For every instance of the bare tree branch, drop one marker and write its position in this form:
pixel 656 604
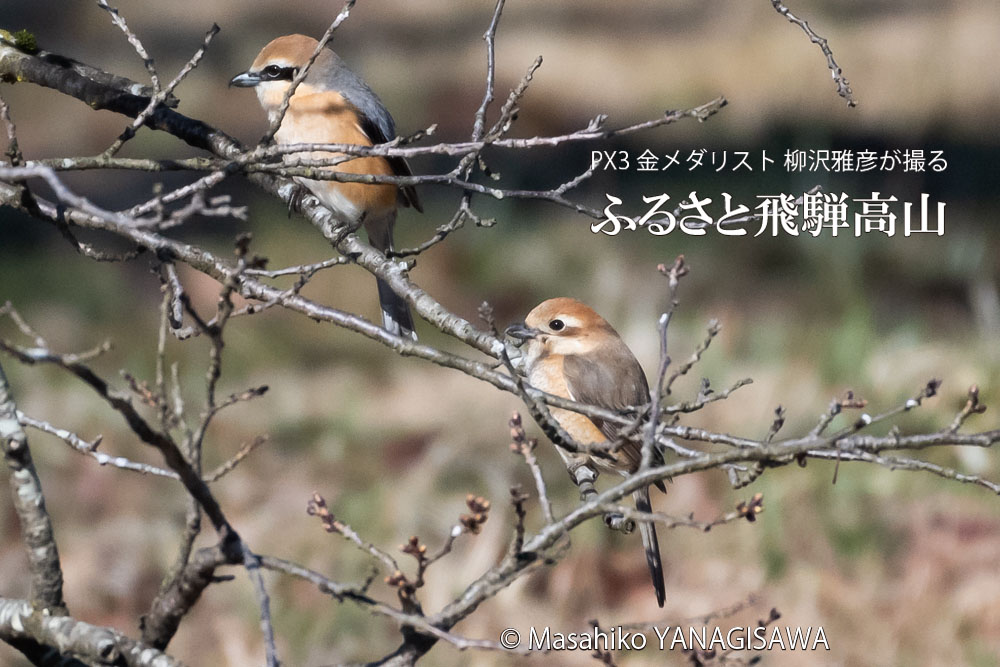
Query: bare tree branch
pixel 29 503
pixel 843 86
pixel 73 639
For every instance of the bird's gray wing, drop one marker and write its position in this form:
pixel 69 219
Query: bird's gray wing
pixel 376 121
pixel 616 381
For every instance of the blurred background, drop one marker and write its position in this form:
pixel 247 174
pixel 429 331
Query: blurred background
pixel 898 567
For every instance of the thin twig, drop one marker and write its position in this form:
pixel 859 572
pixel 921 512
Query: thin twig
pixel 89 448
pixel 252 564
pixel 317 507
pixel 478 126
pixel 713 330
pixel 161 95
pixel 13 152
pixel 525 446
pixel 843 86
pixel 237 458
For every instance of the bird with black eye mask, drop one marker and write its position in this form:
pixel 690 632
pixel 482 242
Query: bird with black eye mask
pixel 333 105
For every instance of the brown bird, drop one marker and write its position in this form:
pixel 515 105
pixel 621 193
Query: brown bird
pixel 333 105
pixel 571 351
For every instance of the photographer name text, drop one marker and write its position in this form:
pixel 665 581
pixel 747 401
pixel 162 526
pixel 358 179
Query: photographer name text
pixel 669 638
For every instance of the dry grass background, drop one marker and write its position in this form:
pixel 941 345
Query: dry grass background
pixel 900 569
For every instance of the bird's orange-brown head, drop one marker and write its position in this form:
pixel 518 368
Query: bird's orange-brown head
pixel 561 326
pixel 277 64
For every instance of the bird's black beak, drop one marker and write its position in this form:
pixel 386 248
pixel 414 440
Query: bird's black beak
pixel 521 332
pixel 245 80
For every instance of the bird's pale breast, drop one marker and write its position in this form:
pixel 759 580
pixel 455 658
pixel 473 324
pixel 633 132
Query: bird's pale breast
pixel 325 117
pixel 547 375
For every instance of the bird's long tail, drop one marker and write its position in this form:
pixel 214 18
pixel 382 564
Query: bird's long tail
pixel 650 544
pixel 396 316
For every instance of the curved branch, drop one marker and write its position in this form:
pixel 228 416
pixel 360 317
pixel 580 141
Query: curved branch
pixel 29 503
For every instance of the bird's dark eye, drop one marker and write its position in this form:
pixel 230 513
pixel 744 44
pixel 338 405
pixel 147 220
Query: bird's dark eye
pixel 557 325
pixel 275 72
